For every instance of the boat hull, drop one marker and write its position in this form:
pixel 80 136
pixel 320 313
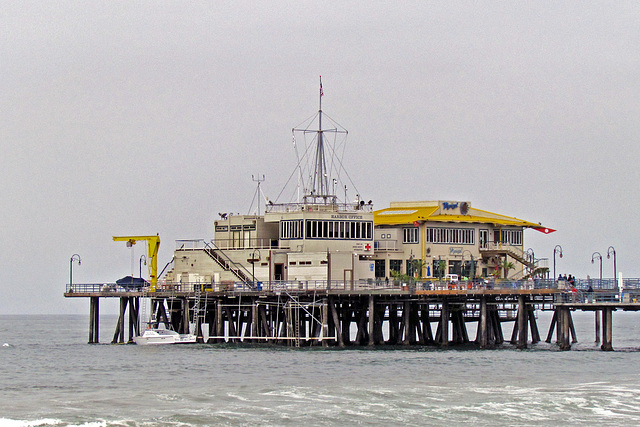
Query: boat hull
pixel 163 336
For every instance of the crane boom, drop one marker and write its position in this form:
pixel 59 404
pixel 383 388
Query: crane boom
pixel 154 244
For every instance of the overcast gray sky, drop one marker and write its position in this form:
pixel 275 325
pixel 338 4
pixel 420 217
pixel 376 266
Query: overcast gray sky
pixel 122 118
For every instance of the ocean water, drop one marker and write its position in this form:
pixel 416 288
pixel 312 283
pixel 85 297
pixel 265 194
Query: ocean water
pixel 50 376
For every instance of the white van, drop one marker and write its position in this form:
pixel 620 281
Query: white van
pixel 451 278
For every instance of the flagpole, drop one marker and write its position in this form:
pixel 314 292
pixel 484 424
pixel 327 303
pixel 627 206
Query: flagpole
pixel 321 97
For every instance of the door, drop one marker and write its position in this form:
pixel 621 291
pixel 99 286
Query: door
pixel 484 239
pixel 278 272
pixel 348 279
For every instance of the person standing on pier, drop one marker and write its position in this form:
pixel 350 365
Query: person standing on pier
pixel 574 293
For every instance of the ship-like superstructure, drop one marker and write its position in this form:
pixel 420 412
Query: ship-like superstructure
pixel 318 238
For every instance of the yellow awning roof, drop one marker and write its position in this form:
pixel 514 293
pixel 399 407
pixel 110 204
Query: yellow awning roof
pixel 432 211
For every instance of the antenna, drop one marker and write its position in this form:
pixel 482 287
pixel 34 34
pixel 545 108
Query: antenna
pixel 257 195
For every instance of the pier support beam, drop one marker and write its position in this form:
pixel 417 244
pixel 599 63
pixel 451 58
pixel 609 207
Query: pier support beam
pixel 118 336
pixel 406 321
pixel 254 319
pixel 483 338
pixel 219 331
pixel 597 318
pixel 554 325
pixel 523 314
pixel 372 319
pixel 525 319
pixel 94 320
pixel 533 325
pixel 325 324
pixel 426 325
pixel 564 319
pixel 336 321
pixel 444 324
pixel 607 329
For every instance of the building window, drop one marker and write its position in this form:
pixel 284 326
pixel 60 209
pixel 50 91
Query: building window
pixel 410 235
pixel 460 236
pixel 395 265
pixel 455 267
pixel 291 229
pixel 333 230
pixel 511 237
pixel 380 268
pixel 410 268
pixel 439 268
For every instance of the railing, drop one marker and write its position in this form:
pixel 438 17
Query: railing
pixel 585 297
pixel 630 291
pixel 386 245
pixel 500 246
pixel 320 206
pixel 237 269
pixel 228 244
pixel 93 288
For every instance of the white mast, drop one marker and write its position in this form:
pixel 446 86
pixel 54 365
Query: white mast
pixel 320 186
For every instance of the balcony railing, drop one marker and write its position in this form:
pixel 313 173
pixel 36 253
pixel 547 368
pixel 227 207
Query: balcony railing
pixel 229 244
pixel 319 206
pixel 606 288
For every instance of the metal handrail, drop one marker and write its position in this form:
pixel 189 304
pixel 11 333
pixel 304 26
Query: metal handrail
pixel 585 297
pixel 328 207
pixel 359 285
pixel 227 244
pixel 231 262
pixel 503 246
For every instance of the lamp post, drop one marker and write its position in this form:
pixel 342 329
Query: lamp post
pixel 142 257
pixel 556 250
pixel 593 257
pixel 532 268
pixel 75 257
pixel 473 265
pixel 253 265
pixel 410 267
pixel 610 251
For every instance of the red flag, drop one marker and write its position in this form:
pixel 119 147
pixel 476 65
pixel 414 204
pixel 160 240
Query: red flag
pixel 544 230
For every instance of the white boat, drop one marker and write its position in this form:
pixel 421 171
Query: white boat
pixel 163 336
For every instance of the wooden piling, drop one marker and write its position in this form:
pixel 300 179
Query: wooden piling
pixel 94 320
pixel 607 329
pixel 371 320
pixel 564 340
pixel 336 320
pixel 533 325
pixel 522 322
pixel 444 323
pixel 482 334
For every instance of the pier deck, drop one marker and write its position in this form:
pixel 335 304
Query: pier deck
pixel 304 314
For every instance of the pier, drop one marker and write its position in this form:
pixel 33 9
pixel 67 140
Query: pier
pixel 301 314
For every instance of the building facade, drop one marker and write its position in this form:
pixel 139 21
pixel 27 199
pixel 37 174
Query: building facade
pixel 434 239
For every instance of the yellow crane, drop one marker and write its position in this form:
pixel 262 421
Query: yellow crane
pixel 154 244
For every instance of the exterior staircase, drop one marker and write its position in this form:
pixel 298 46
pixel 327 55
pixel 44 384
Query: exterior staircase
pixel 228 264
pixel 515 252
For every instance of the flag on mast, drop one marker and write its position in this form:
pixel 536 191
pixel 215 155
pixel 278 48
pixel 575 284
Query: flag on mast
pixel 321 91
